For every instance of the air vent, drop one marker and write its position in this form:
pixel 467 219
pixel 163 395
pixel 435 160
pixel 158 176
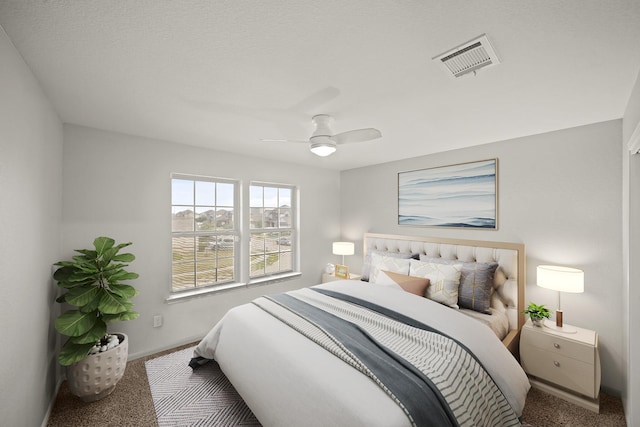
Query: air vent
pixel 469 57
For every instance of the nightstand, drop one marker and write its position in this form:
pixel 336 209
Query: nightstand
pixel 326 277
pixel 565 365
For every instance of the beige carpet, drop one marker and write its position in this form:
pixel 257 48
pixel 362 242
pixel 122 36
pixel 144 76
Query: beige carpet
pixel 545 410
pixel 131 405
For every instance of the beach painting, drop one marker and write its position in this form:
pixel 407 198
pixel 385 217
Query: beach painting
pixel 462 195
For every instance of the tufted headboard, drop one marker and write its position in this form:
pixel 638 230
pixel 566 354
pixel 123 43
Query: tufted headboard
pixel 509 281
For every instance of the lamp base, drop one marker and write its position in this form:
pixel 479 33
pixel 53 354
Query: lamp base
pixel 559 327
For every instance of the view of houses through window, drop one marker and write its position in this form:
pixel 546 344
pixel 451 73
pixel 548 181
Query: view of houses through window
pixel 206 231
pixel 272 229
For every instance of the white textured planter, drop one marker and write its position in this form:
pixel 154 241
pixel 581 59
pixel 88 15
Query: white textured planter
pixel 95 376
pixel 537 322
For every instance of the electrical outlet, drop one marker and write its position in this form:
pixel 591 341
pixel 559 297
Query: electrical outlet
pixel 157 321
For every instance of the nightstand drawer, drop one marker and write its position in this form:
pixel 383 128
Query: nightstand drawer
pixel 561 370
pixel 561 346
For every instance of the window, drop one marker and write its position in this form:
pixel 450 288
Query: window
pixel 204 232
pixel 272 229
pixel 211 246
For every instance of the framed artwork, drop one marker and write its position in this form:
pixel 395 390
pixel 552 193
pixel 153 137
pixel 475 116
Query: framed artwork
pixel 342 271
pixel 464 195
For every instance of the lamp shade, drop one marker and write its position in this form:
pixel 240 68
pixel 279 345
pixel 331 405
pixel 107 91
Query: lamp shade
pixel 562 279
pixel 343 248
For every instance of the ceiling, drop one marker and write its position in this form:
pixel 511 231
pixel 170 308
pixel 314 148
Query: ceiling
pixel 225 74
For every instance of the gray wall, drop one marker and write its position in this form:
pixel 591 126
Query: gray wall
pixel 631 231
pixel 119 186
pixel 559 194
pixel 31 194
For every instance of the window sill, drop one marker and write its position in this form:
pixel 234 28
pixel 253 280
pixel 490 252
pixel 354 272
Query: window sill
pixel 196 293
pixel 274 278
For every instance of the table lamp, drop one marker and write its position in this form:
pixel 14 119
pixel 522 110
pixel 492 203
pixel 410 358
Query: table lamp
pixel 343 248
pixel 561 279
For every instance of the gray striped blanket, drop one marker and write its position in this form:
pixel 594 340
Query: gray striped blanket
pixel 435 380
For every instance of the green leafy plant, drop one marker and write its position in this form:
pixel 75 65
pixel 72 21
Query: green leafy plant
pixel 93 283
pixel 537 311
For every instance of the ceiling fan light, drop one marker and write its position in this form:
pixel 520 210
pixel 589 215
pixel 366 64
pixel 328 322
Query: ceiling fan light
pixel 323 150
pixel 324 147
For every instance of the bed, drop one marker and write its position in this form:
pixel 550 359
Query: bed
pixel 294 364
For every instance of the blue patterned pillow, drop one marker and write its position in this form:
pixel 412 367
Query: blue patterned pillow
pixel 476 282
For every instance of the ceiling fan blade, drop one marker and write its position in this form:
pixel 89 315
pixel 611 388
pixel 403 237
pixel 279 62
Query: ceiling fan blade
pixel 358 135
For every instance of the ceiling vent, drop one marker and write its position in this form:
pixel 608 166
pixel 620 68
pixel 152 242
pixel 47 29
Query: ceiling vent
pixel 469 57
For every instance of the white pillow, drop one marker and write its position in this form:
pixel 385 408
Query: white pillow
pixel 383 279
pixel 444 279
pixel 382 262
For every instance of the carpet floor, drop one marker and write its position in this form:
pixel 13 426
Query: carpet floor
pixel 131 404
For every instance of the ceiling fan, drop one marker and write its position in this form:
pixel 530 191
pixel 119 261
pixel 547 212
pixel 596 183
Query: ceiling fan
pixel 323 141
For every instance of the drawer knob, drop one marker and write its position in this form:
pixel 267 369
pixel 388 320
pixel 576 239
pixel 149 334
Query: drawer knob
pixel 556 363
pixel 556 345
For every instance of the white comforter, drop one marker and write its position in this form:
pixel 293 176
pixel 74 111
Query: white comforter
pixel 288 380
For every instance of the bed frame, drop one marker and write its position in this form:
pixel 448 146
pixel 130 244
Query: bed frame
pixel 509 282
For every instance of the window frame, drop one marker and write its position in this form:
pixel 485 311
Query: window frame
pixel 234 233
pixel 291 230
pixel 242 238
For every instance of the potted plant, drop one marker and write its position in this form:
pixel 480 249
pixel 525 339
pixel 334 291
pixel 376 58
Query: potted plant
pixel 93 281
pixel 537 313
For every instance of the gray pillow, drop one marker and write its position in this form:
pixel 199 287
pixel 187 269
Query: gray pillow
pixel 366 266
pixel 476 282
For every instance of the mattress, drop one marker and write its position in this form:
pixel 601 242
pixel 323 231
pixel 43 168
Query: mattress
pixel 288 380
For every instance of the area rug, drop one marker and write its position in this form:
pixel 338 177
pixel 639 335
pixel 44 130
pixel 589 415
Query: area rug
pixel 204 397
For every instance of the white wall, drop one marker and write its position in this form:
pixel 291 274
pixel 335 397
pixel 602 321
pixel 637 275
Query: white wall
pixel 631 231
pixel 30 194
pixel 119 186
pixel 559 194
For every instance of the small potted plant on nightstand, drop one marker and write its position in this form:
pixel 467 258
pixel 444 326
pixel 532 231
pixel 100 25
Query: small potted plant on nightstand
pixel 537 313
pixel 93 281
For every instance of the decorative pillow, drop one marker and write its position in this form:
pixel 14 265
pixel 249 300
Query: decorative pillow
pixel 444 279
pixel 366 266
pixel 385 281
pixel 414 285
pixel 476 283
pixel 387 263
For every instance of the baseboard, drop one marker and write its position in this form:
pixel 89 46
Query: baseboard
pixel 47 415
pixel 141 354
